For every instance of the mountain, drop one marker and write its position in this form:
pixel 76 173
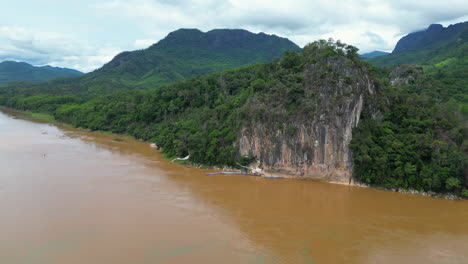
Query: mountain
pixel 20 71
pixel 435 35
pixel 185 53
pixel 429 47
pixel 182 54
pixel 374 54
pixel 443 55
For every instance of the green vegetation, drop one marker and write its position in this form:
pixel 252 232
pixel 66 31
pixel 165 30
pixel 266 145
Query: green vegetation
pixel 183 54
pixel 42 116
pixel 421 141
pixel 374 54
pixel 445 60
pixel 418 142
pixel 19 71
pixel 200 116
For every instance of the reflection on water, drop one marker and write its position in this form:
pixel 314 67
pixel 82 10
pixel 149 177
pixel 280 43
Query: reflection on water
pixel 68 196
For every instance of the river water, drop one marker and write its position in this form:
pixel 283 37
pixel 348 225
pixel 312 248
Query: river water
pixel 68 196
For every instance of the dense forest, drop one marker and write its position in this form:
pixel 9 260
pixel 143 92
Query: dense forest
pixel 419 142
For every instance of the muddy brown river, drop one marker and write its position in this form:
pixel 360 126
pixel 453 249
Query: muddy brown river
pixel 68 196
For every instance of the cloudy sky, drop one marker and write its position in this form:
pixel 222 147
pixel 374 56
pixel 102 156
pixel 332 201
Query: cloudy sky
pixel 85 34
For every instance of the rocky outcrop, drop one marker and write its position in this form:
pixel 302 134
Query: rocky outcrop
pixel 315 144
pixel 405 74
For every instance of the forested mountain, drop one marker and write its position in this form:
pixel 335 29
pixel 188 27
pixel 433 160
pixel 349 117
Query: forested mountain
pixel 20 71
pixel 434 45
pixel 430 69
pixel 435 35
pixel 184 53
pixel 374 54
pixel 442 53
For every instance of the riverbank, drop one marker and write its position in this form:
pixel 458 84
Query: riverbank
pixel 47 118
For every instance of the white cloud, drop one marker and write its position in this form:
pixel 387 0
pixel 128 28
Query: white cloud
pixel 89 33
pixel 143 43
pixel 41 48
pixel 368 24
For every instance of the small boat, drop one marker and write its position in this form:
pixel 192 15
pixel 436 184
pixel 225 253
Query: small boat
pixel 273 177
pixel 244 173
pixel 229 173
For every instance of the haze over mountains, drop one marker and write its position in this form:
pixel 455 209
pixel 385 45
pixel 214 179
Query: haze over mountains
pixel 21 71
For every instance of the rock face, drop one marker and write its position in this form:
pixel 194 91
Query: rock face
pixel 405 74
pixel 315 144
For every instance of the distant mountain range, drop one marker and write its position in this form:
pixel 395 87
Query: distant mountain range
pixel 430 46
pixel 20 71
pixel 434 36
pixel 374 54
pixel 182 54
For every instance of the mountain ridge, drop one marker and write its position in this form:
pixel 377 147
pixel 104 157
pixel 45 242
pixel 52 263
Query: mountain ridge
pixel 186 53
pixel 373 54
pixel 430 36
pixel 11 71
pixel 182 54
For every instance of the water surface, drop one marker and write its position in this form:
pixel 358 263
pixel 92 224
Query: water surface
pixel 68 196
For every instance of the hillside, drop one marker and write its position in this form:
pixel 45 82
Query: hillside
pixel 182 54
pixel 11 71
pixel 443 55
pixel 435 35
pixel 429 47
pixel 374 54
pixel 185 53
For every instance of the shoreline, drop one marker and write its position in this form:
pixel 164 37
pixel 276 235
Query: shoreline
pixel 47 118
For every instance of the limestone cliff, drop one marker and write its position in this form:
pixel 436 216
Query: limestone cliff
pixel 314 143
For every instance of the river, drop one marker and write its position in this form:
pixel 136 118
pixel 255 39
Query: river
pixel 69 196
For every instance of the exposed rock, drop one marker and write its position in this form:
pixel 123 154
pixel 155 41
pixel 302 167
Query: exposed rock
pixel 315 144
pixel 406 74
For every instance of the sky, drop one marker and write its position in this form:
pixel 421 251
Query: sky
pixel 85 34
